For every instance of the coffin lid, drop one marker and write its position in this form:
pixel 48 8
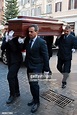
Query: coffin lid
pixel 47 27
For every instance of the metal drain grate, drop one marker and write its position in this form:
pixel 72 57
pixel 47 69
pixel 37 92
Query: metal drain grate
pixel 59 99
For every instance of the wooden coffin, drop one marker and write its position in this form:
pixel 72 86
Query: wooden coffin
pixel 47 27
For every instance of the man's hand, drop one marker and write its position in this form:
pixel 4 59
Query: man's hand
pixel 11 33
pixel 9 36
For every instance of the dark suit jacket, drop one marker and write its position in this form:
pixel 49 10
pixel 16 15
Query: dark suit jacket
pixel 65 46
pixel 49 41
pixel 13 51
pixel 37 56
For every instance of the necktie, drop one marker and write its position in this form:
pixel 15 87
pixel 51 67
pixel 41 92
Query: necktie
pixel 30 43
pixel 65 36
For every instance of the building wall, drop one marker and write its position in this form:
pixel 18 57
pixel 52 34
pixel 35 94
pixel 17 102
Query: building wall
pixel 69 16
pixel 48 10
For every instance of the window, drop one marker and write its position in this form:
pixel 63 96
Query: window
pixel 26 1
pixel 22 1
pixel 27 13
pixel 48 8
pixel 32 2
pixel 58 6
pixel 33 12
pixel 72 4
pixel 49 1
pixel 72 24
pixel 38 11
pixel 22 13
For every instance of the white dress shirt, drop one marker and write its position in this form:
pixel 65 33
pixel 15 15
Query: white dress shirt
pixel 33 41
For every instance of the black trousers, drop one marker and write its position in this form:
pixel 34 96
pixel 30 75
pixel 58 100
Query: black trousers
pixel 12 78
pixel 34 87
pixel 64 67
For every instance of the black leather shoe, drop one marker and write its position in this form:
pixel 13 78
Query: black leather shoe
pixel 63 85
pixel 10 99
pixel 31 103
pixel 35 107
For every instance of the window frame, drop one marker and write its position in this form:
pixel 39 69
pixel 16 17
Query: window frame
pixel 58 6
pixel 72 4
pixel 49 8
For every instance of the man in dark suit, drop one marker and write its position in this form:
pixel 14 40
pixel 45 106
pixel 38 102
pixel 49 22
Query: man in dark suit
pixel 65 43
pixel 14 59
pixel 36 58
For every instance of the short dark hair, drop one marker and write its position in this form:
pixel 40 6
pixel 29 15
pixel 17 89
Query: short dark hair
pixel 35 26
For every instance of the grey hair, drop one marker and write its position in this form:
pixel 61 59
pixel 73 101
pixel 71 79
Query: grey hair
pixel 67 27
pixel 35 27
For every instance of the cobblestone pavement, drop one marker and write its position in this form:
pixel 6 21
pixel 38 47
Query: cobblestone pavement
pixel 19 107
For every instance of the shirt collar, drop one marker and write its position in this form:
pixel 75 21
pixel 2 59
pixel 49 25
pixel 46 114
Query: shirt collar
pixel 67 35
pixel 34 39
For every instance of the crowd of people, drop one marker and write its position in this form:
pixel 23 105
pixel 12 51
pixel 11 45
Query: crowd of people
pixel 38 53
